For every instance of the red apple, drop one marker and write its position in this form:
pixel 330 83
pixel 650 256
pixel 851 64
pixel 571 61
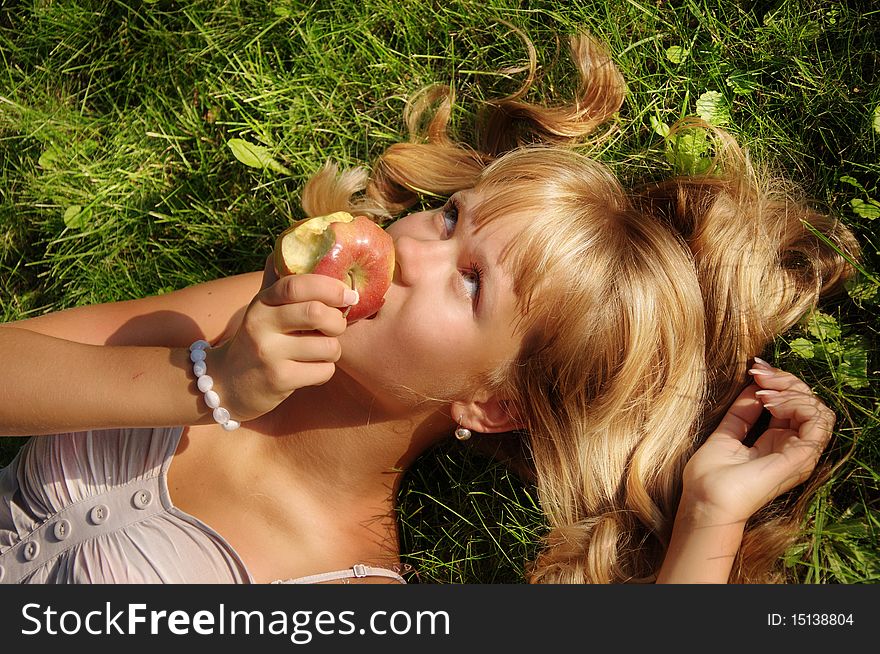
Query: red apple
pixel 352 249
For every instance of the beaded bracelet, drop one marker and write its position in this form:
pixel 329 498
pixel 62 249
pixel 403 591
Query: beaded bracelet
pixel 206 385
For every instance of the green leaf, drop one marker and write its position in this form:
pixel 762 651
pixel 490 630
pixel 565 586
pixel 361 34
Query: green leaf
pixel 712 109
pixel 852 181
pixel 853 370
pixel 877 119
pixel 48 158
pixel 828 350
pixel 75 217
pixel 689 152
pixel 659 127
pixel 741 83
pixel 255 156
pixel 676 54
pixel 802 347
pixel 862 290
pixel 794 554
pixel 823 327
pixel 869 210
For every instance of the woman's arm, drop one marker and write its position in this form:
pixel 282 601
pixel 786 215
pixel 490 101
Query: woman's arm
pixel 286 339
pixel 702 548
pixel 726 482
pixel 54 378
pixel 50 384
pixel 211 310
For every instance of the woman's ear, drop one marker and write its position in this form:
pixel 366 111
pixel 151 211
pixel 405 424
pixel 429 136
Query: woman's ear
pixel 487 415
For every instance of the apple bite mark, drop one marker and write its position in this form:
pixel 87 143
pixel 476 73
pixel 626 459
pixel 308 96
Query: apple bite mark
pixel 354 250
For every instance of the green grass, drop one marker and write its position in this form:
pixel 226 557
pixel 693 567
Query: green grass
pixel 116 115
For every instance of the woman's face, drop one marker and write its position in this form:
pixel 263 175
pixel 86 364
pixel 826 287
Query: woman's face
pixel 449 314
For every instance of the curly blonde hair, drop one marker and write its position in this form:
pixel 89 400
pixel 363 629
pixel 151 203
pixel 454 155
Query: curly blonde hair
pixel 640 309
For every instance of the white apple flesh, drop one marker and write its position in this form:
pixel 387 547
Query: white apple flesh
pixel 352 249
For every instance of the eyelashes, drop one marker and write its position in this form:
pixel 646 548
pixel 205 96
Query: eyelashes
pixel 450 215
pixel 473 276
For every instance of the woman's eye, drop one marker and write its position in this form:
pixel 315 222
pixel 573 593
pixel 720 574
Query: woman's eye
pixel 471 280
pixel 450 217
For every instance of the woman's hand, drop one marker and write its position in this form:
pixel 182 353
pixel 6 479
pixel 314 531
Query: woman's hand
pixel 288 339
pixel 726 482
pixel 730 481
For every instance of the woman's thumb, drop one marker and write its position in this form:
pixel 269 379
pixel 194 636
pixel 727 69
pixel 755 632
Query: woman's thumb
pixel 269 274
pixel 742 414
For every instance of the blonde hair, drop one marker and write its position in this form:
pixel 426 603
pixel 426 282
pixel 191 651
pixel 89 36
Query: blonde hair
pixel 639 309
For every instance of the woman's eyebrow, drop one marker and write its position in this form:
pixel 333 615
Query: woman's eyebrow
pixel 465 206
pixel 461 198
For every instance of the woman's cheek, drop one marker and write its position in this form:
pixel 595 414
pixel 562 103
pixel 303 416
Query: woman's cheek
pixel 409 347
pixel 416 338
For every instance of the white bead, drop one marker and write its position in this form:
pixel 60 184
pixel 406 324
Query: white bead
pixel 206 385
pixel 221 415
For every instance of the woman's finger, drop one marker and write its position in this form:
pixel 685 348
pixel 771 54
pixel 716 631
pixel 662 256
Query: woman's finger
pixel 269 274
pixel 305 288
pixel 741 416
pixel 767 376
pixel 309 348
pixel 772 378
pixel 309 373
pixel 807 414
pixel 785 460
pixel 309 316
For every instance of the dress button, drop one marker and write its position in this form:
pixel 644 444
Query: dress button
pixel 142 499
pixel 31 550
pixel 61 529
pixel 99 514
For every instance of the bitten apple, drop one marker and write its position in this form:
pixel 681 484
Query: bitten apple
pixel 352 249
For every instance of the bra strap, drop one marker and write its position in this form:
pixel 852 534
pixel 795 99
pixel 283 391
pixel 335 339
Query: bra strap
pixel 356 571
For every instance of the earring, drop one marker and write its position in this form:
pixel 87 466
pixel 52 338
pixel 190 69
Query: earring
pixel 462 433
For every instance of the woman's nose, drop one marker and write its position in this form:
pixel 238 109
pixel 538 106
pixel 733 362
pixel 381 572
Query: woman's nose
pixel 418 259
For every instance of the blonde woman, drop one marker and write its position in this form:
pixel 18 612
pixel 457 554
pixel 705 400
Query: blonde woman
pixel 609 336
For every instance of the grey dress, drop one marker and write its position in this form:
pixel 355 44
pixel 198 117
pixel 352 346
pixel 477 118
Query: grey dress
pixel 94 507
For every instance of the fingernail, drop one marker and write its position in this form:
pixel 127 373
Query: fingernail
pixel 351 296
pixel 767 392
pixel 758 371
pixel 761 362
